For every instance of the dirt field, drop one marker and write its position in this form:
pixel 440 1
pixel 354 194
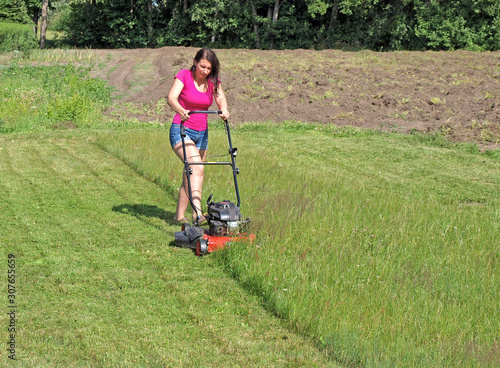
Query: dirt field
pixel 456 93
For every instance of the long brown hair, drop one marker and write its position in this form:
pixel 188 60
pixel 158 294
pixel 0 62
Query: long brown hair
pixel 208 54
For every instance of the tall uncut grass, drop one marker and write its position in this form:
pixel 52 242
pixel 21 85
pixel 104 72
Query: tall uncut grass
pixel 63 56
pixel 37 98
pixel 383 247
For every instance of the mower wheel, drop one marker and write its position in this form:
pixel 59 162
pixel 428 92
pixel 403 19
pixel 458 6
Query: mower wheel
pixel 201 247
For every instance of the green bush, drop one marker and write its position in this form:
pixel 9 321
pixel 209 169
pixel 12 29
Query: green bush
pixel 15 36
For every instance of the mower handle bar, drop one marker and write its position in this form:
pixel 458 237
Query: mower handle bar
pixel 232 152
pixel 205 112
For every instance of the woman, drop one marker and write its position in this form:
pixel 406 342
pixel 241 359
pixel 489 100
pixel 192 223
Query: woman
pixel 195 89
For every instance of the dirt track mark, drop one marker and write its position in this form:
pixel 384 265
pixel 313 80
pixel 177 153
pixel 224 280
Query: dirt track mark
pixel 124 77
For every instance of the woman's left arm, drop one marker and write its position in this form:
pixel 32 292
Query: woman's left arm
pixel 220 100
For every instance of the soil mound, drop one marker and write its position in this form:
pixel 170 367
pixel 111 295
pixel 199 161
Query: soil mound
pixel 455 93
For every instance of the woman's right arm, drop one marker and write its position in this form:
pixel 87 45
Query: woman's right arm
pixel 173 99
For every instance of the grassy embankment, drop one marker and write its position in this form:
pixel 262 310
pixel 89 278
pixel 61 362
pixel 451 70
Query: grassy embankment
pixel 382 248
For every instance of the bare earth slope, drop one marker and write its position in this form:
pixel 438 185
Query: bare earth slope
pixel 456 93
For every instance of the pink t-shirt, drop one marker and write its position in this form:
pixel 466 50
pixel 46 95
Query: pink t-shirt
pixel 191 99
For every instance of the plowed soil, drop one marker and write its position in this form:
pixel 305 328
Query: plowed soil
pixel 455 93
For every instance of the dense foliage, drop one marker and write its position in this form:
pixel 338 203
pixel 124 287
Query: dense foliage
pixel 14 11
pixel 270 24
pixel 15 36
pixel 285 24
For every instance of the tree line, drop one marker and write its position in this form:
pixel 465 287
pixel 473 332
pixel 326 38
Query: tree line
pixel 276 24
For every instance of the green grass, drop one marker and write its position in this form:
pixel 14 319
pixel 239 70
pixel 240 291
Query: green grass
pixel 99 282
pixel 373 249
pixel 38 98
pixel 381 246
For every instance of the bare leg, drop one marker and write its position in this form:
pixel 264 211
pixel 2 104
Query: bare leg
pixel 193 155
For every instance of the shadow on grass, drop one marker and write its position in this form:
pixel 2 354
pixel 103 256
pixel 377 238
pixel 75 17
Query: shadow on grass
pixel 142 211
pixel 145 210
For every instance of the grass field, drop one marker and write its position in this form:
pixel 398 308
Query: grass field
pixel 99 282
pixel 372 249
pixel 383 247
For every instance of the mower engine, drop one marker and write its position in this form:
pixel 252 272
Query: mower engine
pixel 225 219
pixel 225 226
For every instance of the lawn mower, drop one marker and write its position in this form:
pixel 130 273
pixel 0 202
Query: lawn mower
pixel 224 224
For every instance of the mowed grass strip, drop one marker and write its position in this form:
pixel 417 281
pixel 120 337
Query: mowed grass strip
pixel 99 282
pixel 383 247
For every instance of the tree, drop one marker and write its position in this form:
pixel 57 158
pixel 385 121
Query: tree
pixel 274 19
pixel 207 16
pixel 255 25
pixel 34 7
pixel 43 25
pixel 467 24
pixel 279 24
pixel 14 11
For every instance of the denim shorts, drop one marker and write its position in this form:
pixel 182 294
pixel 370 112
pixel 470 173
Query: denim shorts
pixel 200 139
